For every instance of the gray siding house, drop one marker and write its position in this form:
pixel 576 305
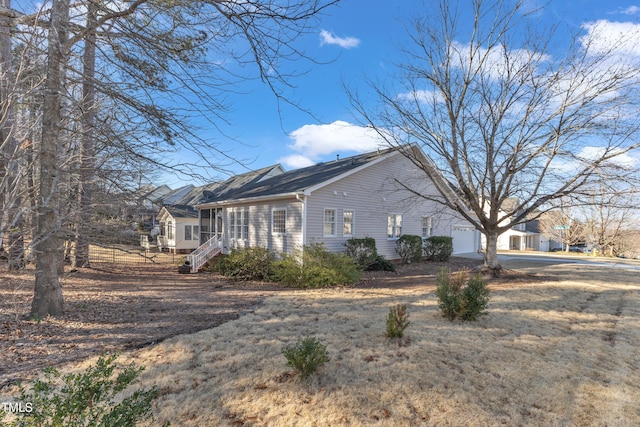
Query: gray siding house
pixel 331 202
pixel 179 221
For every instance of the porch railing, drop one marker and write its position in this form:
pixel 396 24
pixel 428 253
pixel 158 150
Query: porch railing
pixel 204 253
pixel 163 242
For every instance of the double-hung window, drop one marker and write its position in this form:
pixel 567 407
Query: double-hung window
pixel 329 223
pixel 347 223
pixel 232 224
pixel 239 224
pixel 170 230
pixel 279 221
pixel 191 232
pixel 245 225
pixel 427 227
pixel 394 226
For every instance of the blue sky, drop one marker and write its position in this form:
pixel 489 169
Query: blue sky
pixel 359 39
pixel 356 40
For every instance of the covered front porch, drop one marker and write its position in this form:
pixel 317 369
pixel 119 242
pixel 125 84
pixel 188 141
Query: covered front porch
pixel 524 241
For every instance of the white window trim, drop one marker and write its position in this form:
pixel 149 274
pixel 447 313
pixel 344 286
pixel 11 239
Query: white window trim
pixel 193 234
pixel 278 233
pixel 429 227
pixel 245 224
pixel 335 222
pixel 353 222
pixel 395 225
pixel 171 231
pixel 237 228
pixel 231 218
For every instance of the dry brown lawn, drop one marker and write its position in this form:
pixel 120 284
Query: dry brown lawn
pixel 557 349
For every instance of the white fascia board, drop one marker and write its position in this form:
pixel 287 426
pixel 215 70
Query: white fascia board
pixel 164 212
pixel 272 197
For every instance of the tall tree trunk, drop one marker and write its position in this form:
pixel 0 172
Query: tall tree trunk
pixel 12 219
pixel 47 298
pixel 491 252
pixel 87 160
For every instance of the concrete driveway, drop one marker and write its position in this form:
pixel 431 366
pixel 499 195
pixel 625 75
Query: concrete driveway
pixel 530 259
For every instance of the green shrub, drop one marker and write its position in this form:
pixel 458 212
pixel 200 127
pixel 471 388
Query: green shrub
pixel 397 321
pixel 475 298
pixel 363 251
pixel 461 298
pixel 315 267
pixel 438 248
pixel 86 398
pixel 409 247
pixel 448 293
pixel 306 356
pixel 246 264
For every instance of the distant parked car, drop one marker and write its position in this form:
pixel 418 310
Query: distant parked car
pixel 555 250
pixel 575 249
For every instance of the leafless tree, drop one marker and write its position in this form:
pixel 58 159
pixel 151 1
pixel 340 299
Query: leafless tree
pixel 137 63
pixel 630 245
pixel 564 226
pixel 502 116
pixel 47 298
pixel 610 214
pixel 11 196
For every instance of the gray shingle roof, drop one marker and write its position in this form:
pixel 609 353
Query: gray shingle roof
pixel 238 183
pixel 182 211
pixel 296 180
pixel 182 207
pixel 174 197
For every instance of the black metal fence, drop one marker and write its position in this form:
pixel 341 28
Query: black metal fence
pixel 131 255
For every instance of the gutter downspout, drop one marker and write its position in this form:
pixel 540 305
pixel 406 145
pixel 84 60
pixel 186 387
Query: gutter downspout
pixel 303 198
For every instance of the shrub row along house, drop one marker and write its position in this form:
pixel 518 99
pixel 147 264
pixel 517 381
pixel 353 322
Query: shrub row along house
pixel 329 203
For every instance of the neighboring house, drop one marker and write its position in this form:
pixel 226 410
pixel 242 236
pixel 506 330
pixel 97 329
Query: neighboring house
pixel 143 204
pixel 525 236
pixel 331 202
pixel 179 226
pixel 179 229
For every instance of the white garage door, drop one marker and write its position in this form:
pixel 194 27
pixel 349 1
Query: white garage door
pixel 464 239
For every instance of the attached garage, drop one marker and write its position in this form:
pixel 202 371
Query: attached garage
pixel 465 239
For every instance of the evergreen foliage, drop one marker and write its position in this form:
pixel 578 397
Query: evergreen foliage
pixel 438 248
pixel 462 298
pixel 397 321
pixel 306 355
pixel 87 398
pixel 409 247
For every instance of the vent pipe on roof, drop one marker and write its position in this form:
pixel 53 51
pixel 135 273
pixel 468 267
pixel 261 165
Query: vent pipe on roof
pixel 337 157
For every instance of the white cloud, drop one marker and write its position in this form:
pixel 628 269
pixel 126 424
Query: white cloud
pixel 494 62
pixel 631 10
pixel 587 155
pixel 296 161
pixel 422 96
pixel 620 158
pixel 618 38
pixel 311 142
pixel 328 37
